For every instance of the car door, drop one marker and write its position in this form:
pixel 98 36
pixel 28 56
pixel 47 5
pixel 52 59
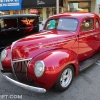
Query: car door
pixel 86 39
pixel 97 32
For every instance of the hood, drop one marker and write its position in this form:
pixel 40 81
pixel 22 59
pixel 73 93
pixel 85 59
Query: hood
pixel 32 45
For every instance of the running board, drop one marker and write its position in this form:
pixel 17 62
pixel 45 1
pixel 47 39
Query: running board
pixel 86 63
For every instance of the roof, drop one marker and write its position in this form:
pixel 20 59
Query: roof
pixel 18 15
pixel 75 14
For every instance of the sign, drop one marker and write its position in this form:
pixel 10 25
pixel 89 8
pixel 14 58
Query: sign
pixel 83 4
pixel 33 11
pixel 40 3
pixel 10 4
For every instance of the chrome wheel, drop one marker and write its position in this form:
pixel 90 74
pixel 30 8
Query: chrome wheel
pixel 66 77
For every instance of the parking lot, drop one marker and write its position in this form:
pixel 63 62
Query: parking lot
pixel 86 86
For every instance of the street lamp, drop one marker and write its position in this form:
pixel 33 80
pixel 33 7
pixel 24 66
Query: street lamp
pixel 57 6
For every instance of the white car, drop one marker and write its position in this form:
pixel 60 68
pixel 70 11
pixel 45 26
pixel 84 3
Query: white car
pixel 41 24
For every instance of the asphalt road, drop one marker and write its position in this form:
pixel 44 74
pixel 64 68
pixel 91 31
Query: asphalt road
pixel 86 86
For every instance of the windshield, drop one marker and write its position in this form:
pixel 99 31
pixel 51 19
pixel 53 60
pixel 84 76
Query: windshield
pixel 67 24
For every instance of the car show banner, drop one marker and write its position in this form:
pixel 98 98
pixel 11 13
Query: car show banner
pixel 10 5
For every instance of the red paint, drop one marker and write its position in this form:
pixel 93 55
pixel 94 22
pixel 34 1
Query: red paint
pixel 55 61
pixel 57 49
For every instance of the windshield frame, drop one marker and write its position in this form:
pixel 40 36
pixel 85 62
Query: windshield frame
pixel 58 19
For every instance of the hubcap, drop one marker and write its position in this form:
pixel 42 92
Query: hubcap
pixel 66 77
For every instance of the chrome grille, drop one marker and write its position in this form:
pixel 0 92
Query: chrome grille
pixel 20 69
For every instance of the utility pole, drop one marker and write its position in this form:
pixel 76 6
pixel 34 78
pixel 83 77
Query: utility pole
pixel 57 6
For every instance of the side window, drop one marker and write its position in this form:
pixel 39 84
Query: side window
pixel 10 23
pixel 97 24
pixel 87 24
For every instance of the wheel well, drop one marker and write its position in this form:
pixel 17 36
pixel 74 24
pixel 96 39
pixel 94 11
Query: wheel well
pixel 74 69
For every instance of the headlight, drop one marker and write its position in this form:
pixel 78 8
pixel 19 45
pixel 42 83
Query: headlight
pixel 3 54
pixel 39 68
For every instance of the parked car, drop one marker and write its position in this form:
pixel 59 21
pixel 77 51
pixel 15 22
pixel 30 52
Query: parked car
pixel 68 44
pixel 13 27
pixel 41 25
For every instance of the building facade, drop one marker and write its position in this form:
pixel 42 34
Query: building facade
pixel 45 8
pixel 67 6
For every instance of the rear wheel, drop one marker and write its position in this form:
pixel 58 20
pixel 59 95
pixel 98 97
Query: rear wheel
pixel 65 79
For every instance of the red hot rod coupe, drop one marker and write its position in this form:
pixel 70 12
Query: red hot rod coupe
pixel 68 44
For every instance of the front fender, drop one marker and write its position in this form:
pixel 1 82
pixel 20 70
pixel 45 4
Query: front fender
pixel 55 61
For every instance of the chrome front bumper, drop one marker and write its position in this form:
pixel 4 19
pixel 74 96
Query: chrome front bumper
pixel 27 87
pixel 1 66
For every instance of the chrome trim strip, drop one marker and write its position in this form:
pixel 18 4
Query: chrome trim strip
pixel 17 60
pixel 11 59
pixel 85 35
pixel 24 86
pixel 40 45
pixel 26 69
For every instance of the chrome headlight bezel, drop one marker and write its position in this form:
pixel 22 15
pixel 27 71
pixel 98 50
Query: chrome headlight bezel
pixel 3 54
pixel 39 68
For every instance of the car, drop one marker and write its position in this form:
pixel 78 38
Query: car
pixel 13 27
pixel 41 25
pixel 68 44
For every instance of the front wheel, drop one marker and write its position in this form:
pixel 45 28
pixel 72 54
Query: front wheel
pixel 65 79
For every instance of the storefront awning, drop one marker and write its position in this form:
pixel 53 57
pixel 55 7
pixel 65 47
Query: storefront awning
pixel 40 3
